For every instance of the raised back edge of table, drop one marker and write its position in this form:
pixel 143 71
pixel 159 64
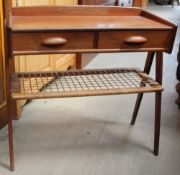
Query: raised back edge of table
pixel 74 11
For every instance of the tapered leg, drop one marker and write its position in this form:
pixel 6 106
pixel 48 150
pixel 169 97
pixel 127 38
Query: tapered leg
pixel 159 70
pixel 157 122
pixel 9 67
pixel 136 108
pixel 147 69
pixel 10 124
pixel 10 137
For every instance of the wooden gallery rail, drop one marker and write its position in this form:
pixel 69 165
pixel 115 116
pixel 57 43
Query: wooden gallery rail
pixel 87 29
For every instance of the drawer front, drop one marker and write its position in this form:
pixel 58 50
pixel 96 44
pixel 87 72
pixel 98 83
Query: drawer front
pixel 135 40
pixel 60 42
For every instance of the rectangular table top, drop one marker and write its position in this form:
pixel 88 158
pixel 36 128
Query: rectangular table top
pixel 85 18
pixel 84 22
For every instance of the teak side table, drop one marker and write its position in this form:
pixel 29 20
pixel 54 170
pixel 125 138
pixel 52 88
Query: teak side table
pixel 86 29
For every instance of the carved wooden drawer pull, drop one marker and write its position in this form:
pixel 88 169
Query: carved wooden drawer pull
pixel 136 40
pixel 54 41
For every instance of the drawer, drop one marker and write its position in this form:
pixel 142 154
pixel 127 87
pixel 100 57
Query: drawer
pixel 135 40
pixel 51 42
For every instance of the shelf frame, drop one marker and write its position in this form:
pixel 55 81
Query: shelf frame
pixel 81 83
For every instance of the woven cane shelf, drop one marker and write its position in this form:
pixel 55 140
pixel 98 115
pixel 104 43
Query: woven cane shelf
pixel 81 83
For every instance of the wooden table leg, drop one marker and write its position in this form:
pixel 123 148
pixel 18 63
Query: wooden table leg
pixel 9 114
pixel 147 69
pixel 159 70
pixel 10 124
pixel 10 134
pixel 157 122
pixel 9 62
pixel 78 61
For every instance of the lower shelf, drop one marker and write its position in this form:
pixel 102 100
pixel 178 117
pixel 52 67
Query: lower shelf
pixel 81 83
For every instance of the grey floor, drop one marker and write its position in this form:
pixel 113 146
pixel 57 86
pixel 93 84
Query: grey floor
pixel 92 136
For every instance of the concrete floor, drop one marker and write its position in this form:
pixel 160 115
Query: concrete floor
pixel 92 136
